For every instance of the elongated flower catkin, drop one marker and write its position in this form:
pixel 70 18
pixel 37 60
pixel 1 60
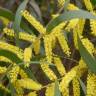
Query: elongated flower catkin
pixel 63 43
pixel 27 56
pixel 29 84
pixel 65 91
pixel 48 71
pixel 4 59
pixel 76 87
pixel 59 66
pixel 48 48
pixel 91 84
pixel 56 33
pixel 93 25
pixel 37 46
pixel 55 15
pixel 34 22
pixel 23 74
pixel 61 3
pixel 3 70
pixel 88 5
pixel 22 35
pixel 32 94
pixel 88 45
pixel 13 73
pixel 82 68
pixel 5 20
pixel 72 7
pixel 50 90
pixel 78 30
pixel 67 79
pixel 12 48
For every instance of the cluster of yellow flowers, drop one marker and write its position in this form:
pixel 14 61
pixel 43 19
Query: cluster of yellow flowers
pixel 13 73
pixel 76 87
pixel 12 48
pixel 50 90
pixel 20 78
pixel 34 22
pixel 22 35
pixel 45 67
pixel 27 55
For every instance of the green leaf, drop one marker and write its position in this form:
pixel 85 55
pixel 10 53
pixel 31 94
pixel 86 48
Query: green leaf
pixel 87 57
pixel 57 91
pixel 93 2
pixel 66 16
pixel 83 86
pixel 18 18
pixel 6 13
pixel 12 89
pixel 30 73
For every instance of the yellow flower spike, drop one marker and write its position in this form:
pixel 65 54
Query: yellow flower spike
pixel 48 47
pixel 19 90
pixel 22 35
pixel 48 71
pixel 13 73
pixel 78 29
pixel 72 7
pixel 29 84
pixel 82 67
pixel 67 79
pixel 65 92
pixel 4 59
pixel 61 3
pixel 36 46
pixel 58 29
pixel 63 43
pixel 93 25
pixel 50 90
pixel 55 15
pixel 39 27
pixel 12 48
pixel 56 33
pixel 59 66
pixel 88 45
pixel 23 74
pixel 27 56
pixel 32 94
pixel 5 20
pixel 81 24
pixel 76 87
pixel 3 70
pixel 4 88
pixel 91 84
pixel 72 24
pixel 88 5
